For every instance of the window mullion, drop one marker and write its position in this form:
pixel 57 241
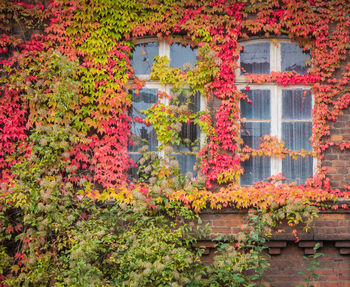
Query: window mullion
pixel 276 163
pixel 203 107
pixel 164 49
pixel 274 58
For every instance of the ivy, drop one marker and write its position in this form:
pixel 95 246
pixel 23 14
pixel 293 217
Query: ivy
pixel 65 127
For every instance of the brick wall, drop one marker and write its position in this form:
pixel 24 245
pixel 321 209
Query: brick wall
pixel 336 160
pixel 330 229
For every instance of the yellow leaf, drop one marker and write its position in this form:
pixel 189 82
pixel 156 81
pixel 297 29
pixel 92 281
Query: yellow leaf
pixel 15 268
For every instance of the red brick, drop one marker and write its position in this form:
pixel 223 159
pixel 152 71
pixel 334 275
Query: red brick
pixel 344 251
pixel 336 163
pixel 336 138
pixel 225 230
pixel 342 170
pixel 344 157
pixel 330 157
pixel 277 244
pixel 338 177
pixel 329 216
pixel 309 243
pixel 275 251
pixel 332 170
pixel 342 243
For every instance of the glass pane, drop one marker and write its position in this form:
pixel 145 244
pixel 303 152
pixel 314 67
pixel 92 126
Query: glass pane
pixel 180 55
pixel 189 132
pixel 255 59
pixel 296 135
pixel 143 57
pixel 259 108
pixel 252 132
pixel 255 169
pixel 186 162
pixel 145 99
pixel 297 170
pixel 296 105
pixel 186 97
pixel 293 58
pixel 133 171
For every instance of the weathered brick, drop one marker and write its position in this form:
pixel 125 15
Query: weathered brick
pixel 329 157
pixel 279 244
pixel 344 251
pixel 344 156
pixel 338 178
pixel 332 229
pixel 342 244
pixel 332 170
pixel 309 243
pixel 342 170
pixel 275 251
pixel 336 163
pixel 336 138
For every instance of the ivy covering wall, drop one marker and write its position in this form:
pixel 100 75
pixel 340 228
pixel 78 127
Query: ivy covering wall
pixel 65 85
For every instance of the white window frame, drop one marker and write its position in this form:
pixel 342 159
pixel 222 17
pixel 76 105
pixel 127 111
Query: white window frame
pixel 164 51
pixel 275 96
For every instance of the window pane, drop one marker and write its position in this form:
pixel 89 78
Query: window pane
pixel 297 170
pixel 143 57
pixel 186 97
pixel 133 171
pixel 145 99
pixel 296 105
pixel 296 135
pixel 189 132
pixel 186 162
pixel 293 58
pixel 255 169
pixel 255 59
pixel 179 55
pixel 252 132
pixel 259 108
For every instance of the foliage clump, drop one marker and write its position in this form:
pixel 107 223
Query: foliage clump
pixel 69 214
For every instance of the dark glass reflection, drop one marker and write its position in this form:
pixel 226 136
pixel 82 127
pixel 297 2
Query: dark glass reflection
pixel 255 59
pixel 180 55
pixel 186 162
pixel 143 57
pixel 133 171
pixel 259 167
pixel 296 135
pixel 252 133
pixel 259 107
pixel 293 58
pixel 297 170
pixel 189 132
pixel 146 134
pixel 296 105
pixel 255 169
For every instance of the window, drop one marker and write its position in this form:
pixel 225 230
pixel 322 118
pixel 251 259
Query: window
pixel 283 112
pixel 142 61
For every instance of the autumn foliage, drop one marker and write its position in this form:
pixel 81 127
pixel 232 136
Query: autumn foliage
pixel 65 81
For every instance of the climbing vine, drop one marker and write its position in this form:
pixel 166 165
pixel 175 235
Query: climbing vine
pixel 65 82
